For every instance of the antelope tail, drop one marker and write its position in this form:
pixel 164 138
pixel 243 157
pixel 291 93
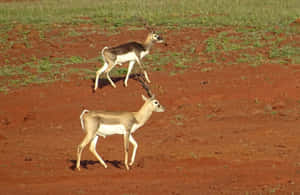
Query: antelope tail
pixel 81 118
pixel 102 52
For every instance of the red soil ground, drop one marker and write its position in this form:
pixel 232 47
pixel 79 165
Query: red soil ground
pixel 232 130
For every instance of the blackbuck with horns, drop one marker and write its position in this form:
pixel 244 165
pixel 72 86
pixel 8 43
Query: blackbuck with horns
pixel 131 52
pixel 103 123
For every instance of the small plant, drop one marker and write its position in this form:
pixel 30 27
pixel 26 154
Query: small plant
pixel 181 65
pixel 178 119
pixel 76 60
pixel 207 69
pixel 211 45
pixel 42 35
pixel 44 65
pixel 193 155
pixel 118 72
pixel 6 61
pixel 81 192
pixel 74 33
pixel 210 116
pixel 173 73
pixel 243 78
pixel 4 89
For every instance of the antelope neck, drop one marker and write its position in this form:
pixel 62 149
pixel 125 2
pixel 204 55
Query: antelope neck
pixel 148 43
pixel 143 114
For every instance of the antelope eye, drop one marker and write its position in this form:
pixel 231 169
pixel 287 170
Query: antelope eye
pixel 155 102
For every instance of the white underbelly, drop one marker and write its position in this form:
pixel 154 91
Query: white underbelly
pixel 125 58
pixel 106 130
pixel 143 53
pixel 135 127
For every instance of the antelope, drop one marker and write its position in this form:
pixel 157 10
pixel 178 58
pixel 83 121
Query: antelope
pixel 129 52
pixel 103 123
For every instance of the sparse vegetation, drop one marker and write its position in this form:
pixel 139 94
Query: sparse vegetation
pixel 247 28
pixel 213 12
pixel 39 71
pixel 286 53
pixel 178 119
pixel 231 96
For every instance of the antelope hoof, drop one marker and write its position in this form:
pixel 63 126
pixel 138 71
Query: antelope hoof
pixel 105 166
pixel 127 167
pixel 78 168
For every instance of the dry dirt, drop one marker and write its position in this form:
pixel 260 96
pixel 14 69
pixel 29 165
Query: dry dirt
pixel 232 130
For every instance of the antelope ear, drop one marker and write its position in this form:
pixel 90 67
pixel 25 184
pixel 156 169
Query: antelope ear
pixel 144 98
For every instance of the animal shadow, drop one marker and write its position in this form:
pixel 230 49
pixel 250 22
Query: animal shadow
pixel 104 82
pixel 86 163
pixel 137 77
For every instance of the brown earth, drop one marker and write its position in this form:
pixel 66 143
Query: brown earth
pixel 231 130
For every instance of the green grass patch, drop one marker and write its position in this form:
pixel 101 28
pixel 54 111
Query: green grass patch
pixel 4 89
pixel 249 47
pixel 119 72
pixel 39 71
pixel 8 70
pixel 118 13
pixel 252 60
pixel 284 52
pixel 83 72
pixel 157 61
pixel 252 39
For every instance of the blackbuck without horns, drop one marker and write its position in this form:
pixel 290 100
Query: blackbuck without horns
pixel 102 123
pixel 129 52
